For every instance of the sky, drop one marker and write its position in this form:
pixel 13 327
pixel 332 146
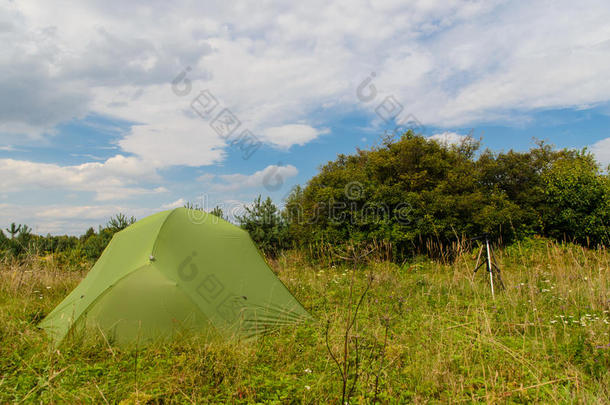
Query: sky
pixel 142 106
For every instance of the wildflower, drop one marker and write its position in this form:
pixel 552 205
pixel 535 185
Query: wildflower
pixel 308 371
pixel 307 387
pixel 554 321
pixel 48 287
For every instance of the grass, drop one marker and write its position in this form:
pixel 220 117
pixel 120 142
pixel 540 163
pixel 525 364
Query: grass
pixel 544 339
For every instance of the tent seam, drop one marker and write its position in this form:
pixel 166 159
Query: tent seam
pixel 154 247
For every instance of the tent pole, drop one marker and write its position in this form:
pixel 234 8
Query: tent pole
pixel 489 269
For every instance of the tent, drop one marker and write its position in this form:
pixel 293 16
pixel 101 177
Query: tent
pixel 176 271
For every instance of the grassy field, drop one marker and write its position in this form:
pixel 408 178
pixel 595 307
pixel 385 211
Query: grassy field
pixel 425 332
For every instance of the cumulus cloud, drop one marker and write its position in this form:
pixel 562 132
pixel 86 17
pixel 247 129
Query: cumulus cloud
pixel 176 204
pixel 116 178
pixel 287 135
pixel 271 178
pixel 601 151
pixel 448 138
pixel 448 63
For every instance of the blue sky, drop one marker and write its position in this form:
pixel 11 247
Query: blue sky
pixel 97 116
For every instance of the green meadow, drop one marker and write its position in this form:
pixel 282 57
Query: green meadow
pixel 423 331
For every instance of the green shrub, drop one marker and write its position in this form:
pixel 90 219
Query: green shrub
pixel 418 195
pixel 577 200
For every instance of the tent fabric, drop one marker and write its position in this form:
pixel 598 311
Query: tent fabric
pixel 176 271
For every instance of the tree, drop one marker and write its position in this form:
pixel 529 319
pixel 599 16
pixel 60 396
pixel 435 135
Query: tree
pixel 577 200
pixel 24 231
pixel 265 225
pixel 3 241
pixel 13 230
pixel 422 196
pixel 217 211
pixel 119 222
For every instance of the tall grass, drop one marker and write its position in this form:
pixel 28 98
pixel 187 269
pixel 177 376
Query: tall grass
pixel 543 339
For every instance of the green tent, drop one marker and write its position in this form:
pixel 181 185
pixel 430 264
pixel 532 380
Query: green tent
pixel 176 271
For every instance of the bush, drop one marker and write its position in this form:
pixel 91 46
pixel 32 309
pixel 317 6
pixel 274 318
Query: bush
pixel 422 196
pixel 577 200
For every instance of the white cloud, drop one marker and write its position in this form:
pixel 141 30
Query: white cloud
pixel 287 135
pixel 270 178
pixel 448 138
pixel 114 179
pixel 601 151
pixel 70 219
pixel 176 204
pixel 448 63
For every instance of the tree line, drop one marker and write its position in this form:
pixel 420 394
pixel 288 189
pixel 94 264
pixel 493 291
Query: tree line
pixel 413 194
pixel 418 196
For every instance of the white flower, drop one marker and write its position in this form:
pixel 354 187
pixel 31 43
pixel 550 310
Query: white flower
pixel 307 387
pixel 308 371
pixel 553 321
